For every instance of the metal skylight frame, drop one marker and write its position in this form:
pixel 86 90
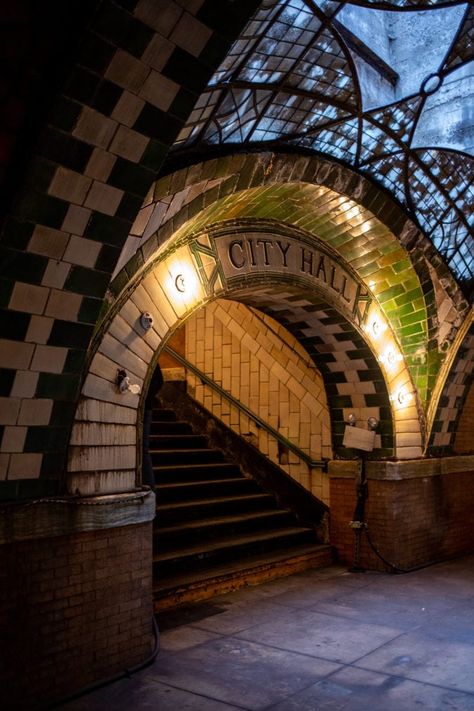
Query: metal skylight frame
pixel 290 81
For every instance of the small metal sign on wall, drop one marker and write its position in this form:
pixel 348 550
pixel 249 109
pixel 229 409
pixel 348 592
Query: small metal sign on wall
pixel 358 438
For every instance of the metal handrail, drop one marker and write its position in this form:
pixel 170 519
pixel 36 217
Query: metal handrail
pixel 317 463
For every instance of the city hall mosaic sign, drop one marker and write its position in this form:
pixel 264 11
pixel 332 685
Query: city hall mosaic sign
pixel 259 253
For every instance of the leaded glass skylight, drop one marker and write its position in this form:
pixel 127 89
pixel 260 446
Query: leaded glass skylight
pixel 302 75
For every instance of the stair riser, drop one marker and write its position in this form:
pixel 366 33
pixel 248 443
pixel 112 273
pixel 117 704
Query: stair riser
pixel 192 512
pixel 197 561
pixel 177 442
pixel 204 472
pixel 173 428
pixel 163 542
pixel 163 415
pixel 218 585
pixel 185 457
pixel 202 491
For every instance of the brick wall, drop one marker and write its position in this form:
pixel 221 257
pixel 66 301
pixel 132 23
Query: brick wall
pixel 412 522
pixel 74 609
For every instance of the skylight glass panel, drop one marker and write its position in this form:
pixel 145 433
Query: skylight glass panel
pixel 292 78
pixel 339 141
pixel 325 68
pixel 390 171
pixel 293 115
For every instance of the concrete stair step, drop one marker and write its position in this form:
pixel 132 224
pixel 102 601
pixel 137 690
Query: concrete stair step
pixel 177 441
pixel 189 490
pixel 185 533
pixel 192 586
pixel 195 472
pixel 163 414
pixel 203 553
pixel 170 427
pixel 161 457
pixel 209 506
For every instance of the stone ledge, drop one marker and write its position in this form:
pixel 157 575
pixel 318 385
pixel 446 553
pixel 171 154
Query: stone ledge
pixel 51 517
pixel 404 469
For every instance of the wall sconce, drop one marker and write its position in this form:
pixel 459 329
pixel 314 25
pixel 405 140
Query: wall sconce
pixel 390 358
pixel 180 283
pixel 377 327
pixel 146 321
pixel 351 420
pixel 372 423
pixel 123 383
pixel 402 396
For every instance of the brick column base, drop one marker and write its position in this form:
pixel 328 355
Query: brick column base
pixel 412 521
pixel 74 609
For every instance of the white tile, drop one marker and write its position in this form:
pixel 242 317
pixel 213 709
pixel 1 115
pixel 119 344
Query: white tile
pixel 94 433
pixel 94 128
pixel 161 16
pixel 100 165
pixel 69 185
pixel 9 409
pixel 29 298
pixel 14 354
pixel 126 71
pixel 159 90
pixel 39 329
pixel 63 305
pixel 129 144
pixel 98 411
pixel 190 34
pixel 13 439
pixel 101 458
pixel 55 274
pixel 121 331
pixel 82 251
pixel 101 389
pixel 76 220
pixel 35 412
pixel 49 359
pixel 104 198
pixel 128 108
pixel 24 384
pixel 25 466
pixel 105 482
pixel 158 52
pixel 48 242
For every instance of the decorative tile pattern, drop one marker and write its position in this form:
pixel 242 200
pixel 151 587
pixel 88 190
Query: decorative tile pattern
pixel 258 362
pixel 96 161
pixel 453 398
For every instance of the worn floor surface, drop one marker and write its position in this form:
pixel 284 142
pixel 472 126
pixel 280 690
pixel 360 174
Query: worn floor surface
pixel 326 639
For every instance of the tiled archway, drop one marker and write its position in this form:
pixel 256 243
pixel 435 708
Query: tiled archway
pixel 333 321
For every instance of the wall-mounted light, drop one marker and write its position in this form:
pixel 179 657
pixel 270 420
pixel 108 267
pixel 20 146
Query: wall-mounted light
pixel 372 423
pixel 123 383
pixel 390 357
pixel 146 321
pixel 402 396
pixel 180 283
pixel 377 327
pixel 351 420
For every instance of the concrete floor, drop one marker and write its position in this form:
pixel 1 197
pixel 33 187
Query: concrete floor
pixel 326 639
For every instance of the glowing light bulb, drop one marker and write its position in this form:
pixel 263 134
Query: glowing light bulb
pixel 403 396
pixel 390 357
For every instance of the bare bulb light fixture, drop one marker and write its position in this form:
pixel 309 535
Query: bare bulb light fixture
pixel 124 385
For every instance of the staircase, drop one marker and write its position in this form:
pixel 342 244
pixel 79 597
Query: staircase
pixel 215 529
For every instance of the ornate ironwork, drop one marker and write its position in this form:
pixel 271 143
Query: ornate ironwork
pixel 293 79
